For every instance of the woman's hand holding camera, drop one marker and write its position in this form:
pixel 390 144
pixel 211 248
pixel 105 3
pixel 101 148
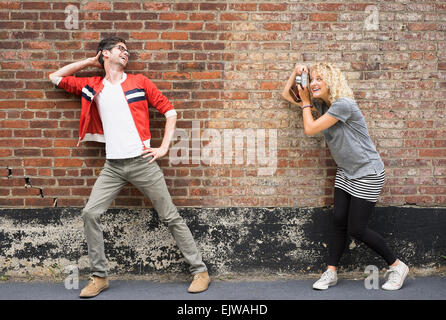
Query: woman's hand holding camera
pixel 304 92
pixel 299 68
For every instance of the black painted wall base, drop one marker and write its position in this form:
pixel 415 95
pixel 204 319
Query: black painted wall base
pixel 268 240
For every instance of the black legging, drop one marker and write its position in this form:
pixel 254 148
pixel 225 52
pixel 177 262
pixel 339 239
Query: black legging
pixel 350 217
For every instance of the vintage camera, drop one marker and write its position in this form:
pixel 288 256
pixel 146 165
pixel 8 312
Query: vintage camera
pixel 299 80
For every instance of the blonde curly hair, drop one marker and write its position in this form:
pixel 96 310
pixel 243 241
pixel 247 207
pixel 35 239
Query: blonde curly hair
pixel 335 80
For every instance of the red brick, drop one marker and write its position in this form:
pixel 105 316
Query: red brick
pixel 176 75
pixel 271 85
pixel 432 152
pixel 153 6
pixel 174 35
pixel 323 17
pixel 188 25
pixel 422 26
pixel 96 6
pixel 172 16
pixel 126 6
pixel 157 26
pixel 56 152
pixel 29 94
pixel 243 6
pixel 158 46
pixel 206 75
pixel 272 7
pixel 12 104
pixel 277 26
pixel 330 6
pixel 202 16
pixel 24 35
pixel 203 36
pixel 128 25
pixel 11 25
pixel 10 5
pixel 24 16
pixel 213 6
pixel 14 124
pixel 188 45
pixel 115 16
pixel 11 202
pixel 144 35
pixel 68 162
pixel 234 16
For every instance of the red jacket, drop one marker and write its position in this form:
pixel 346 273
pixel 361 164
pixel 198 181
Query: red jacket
pixel 138 90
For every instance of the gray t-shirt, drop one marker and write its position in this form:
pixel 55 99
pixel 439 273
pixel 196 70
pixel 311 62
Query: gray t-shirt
pixel 349 140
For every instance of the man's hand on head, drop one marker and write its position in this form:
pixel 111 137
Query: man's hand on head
pixel 94 61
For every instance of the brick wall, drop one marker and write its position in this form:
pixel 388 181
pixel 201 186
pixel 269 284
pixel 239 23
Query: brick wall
pixel 223 64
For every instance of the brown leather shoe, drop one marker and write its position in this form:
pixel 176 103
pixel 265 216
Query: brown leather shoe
pixel 200 283
pixel 94 287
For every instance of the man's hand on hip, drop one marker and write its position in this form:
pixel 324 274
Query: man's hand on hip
pixel 155 152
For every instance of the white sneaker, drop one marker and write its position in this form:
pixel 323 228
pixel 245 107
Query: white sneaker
pixel 396 276
pixel 329 278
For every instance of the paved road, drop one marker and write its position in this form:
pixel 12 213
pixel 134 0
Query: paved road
pixel 420 288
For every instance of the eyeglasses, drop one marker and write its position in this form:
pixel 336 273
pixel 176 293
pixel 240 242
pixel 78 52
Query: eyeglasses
pixel 121 48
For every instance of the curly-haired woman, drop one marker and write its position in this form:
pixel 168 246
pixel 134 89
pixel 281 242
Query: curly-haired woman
pixel 360 171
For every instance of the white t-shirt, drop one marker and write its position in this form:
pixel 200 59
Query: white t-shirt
pixel 121 137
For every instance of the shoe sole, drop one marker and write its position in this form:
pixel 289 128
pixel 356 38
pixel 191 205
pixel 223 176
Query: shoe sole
pixel 406 272
pixel 331 284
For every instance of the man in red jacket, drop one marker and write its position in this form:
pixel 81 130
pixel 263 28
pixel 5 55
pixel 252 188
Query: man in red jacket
pixel 115 111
